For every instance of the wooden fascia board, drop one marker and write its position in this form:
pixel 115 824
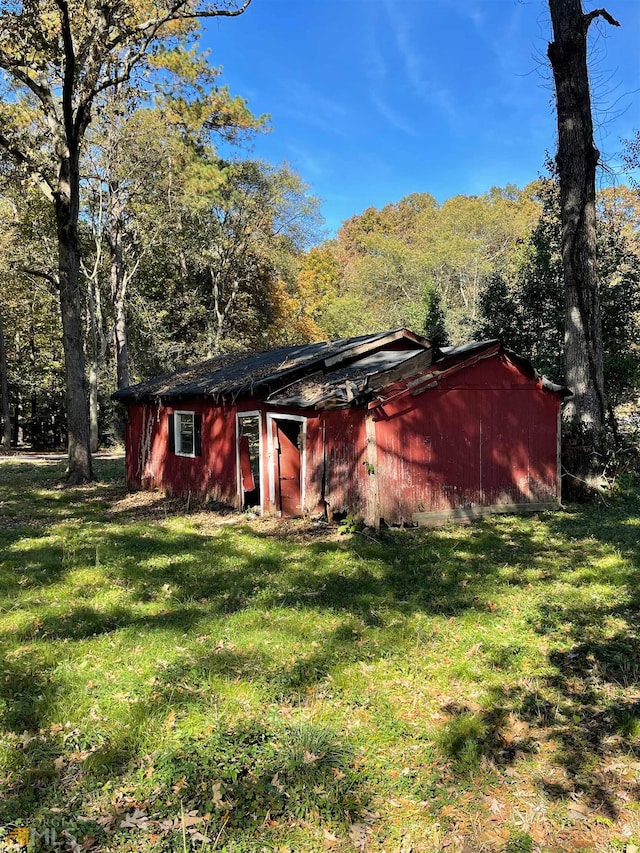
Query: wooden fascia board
pixel 420 361
pixel 371 346
pixel 431 379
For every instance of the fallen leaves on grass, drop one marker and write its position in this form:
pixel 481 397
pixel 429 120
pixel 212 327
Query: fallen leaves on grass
pixel 137 819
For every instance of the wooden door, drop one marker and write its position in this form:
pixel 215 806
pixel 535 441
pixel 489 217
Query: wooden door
pixel 288 441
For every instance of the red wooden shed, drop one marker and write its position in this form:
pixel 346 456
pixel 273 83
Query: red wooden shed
pixel 383 426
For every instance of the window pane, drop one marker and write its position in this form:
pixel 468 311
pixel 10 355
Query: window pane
pixel 186 433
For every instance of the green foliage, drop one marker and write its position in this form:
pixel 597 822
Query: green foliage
pixel 352 523
pixel 417 262
pixel 229 279
pixel 30 314
pixel 526 308
pixel 435 319
pixel 519 842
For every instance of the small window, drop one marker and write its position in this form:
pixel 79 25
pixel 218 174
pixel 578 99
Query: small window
pixel 184 433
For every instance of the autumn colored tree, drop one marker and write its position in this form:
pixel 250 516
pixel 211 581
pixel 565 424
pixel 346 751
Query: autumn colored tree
pixel 424 265
pixel 526 307
pixel 57 57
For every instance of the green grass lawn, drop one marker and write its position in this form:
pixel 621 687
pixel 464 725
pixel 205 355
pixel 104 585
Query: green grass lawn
pixel 180 681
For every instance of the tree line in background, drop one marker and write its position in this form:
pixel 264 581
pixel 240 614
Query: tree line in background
pixel 480 267
pixel 214 256
pixel 182 246
pixel 121 221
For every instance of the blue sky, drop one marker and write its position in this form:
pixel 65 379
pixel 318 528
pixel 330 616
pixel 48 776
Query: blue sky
pixel 371 100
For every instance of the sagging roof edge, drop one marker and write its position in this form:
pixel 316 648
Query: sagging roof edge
pixel 246 385
pixel 447 357
pixel 547 384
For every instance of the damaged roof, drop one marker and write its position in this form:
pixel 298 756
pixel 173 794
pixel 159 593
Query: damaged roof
pixel 259 374
pixel 327 375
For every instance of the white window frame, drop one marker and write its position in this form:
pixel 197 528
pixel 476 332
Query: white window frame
pixel 177 433
pixel 274 416
pixel 253 413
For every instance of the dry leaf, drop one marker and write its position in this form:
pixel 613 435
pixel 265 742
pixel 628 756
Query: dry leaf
pixel 359 835
pixel 578 811
pixel 218 800
pixel 180 784
pixel 494 806
pixel 196 835
pixel 329 839
pixel 369 817
pixel 138 819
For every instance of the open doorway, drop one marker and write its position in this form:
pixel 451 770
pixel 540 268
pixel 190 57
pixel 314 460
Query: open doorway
pixel 249 444
pixel 287 435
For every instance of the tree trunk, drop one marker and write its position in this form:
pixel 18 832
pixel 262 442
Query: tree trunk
pixel 577 159
pixel 66 211
pixel 18 403
pixel 4 393
pixel 118 286
pixel 34 431
pixel 98 353
pixel 94 434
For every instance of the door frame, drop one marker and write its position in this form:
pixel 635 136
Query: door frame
pixel 252 413
pixel 271 417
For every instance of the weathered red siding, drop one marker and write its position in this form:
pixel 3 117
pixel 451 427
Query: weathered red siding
pixel 486 436
pixel 149 463
pixel 346 446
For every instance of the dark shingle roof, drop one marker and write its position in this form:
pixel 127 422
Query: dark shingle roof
pixel 326 375
pixel 244 374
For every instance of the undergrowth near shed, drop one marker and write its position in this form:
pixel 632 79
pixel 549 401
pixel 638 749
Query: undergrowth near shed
pixel 174 680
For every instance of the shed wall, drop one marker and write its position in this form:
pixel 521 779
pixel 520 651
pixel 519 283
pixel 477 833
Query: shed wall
pixel 149 464
pixel 486 436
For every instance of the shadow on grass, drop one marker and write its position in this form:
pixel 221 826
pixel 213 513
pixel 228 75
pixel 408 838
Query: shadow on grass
pixel 588 705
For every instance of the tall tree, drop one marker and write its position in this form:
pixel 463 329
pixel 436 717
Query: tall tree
pixel 576 159
pixel 57 57
pixel 5 244
pixel 525 306
pixel 4 389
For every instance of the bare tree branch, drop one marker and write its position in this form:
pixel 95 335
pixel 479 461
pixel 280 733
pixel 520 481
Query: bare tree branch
pixel 599 13
pixel 52 279
pixel 197 13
